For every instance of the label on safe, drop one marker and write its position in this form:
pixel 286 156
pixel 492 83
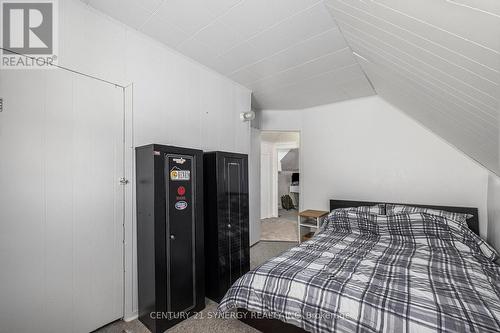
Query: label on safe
pixel 181 205
pixel 178 174
pixel 179 160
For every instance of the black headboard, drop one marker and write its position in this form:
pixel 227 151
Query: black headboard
pixel 473 222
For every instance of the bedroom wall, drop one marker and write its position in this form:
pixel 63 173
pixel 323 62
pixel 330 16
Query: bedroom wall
pixel 267 167
pixel 173 100
pixel 366 149
pixel 254 185
pixel 494 210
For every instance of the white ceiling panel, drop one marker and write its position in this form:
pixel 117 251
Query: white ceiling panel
pixel 266 44
pixel 163 31
pixel 111 5
pixel 334 60
pixel 239 57
pixel 293 30
pixel 309 49
pixel 477 112
pixel 336 77
pixel 251 17
pixel 199 51
pixel 438 61
pixel 428 16
pixel 187 15
pixel 219 7
pixel 473 89
pixel 218 37
pixel 342 84
pixel 126 11
pixel 490 7
pixel 415 41
pixel 244 76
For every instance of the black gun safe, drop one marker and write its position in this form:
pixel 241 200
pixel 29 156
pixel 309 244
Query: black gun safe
pixel 227 251
pixel 170 237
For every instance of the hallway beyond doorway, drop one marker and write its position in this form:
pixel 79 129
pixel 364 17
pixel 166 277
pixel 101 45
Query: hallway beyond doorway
pixel 282 228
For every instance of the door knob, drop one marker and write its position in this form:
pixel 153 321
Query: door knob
pixel 229 226
pixel 172 237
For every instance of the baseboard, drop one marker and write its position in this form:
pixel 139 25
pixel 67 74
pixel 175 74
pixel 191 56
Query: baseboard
pixel 273 241
pixel 132 316
pixel 278 241
pixel 257 242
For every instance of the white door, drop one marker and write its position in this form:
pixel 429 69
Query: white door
pixel 61 204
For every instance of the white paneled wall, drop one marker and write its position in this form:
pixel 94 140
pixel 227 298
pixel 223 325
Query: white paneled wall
pixel 494 210
pixel 61 205
pixel 254 171
pixel 366 149
pixel 178 102
pixel 173 100
pixel 267 158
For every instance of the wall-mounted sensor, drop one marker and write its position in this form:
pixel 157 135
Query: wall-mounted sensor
pixel 247 116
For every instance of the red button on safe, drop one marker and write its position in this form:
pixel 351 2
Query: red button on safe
pixel 181 190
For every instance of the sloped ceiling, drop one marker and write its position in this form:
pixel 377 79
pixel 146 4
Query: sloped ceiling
pixel 290 53
pixel 290 162
pixel 437 60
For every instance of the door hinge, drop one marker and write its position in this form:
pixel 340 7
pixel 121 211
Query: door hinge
pixel 1 104
pixel 123 181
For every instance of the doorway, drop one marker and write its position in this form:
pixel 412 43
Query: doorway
pixel 280 178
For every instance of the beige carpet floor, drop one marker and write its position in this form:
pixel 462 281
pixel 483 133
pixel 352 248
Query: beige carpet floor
pixel 276 229
pixel 282 228
pixel 259 253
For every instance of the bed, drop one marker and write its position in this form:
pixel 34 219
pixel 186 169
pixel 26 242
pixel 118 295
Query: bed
pixel 369 273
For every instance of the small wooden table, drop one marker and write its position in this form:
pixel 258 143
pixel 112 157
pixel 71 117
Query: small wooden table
pixel 309 222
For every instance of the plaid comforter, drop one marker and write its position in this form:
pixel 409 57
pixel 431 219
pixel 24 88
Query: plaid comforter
pixel 372 273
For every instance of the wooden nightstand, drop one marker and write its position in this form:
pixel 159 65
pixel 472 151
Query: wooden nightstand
pixel 309 222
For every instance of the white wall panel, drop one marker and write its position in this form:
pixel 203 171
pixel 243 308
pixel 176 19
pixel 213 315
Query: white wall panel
pixel 254 171
pixel 494 210
pixel 22 280
pixel 61 207
pixel 267 199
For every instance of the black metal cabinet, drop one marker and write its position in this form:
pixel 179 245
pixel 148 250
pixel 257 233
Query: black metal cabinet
pixel 227 251
pixel 170 237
